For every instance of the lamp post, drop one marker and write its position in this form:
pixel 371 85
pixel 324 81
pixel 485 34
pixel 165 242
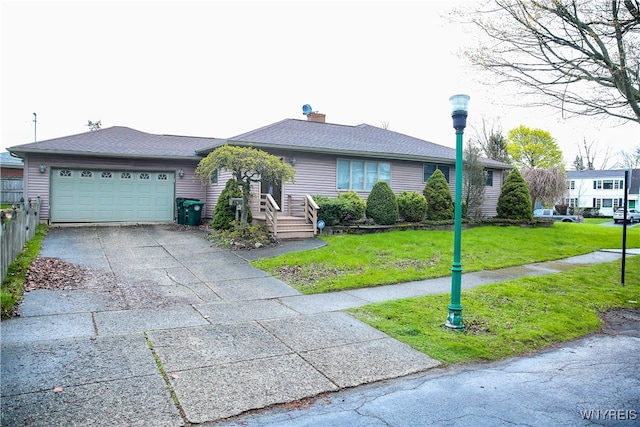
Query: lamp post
pixel 459 104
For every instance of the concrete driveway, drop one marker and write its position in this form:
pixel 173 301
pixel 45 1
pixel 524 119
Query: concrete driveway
pixel 167 330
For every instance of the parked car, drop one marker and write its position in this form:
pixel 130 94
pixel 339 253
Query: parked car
pixel 632 215
pixel 551 214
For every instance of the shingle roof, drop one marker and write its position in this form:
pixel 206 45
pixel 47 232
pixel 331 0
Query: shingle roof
pixel 304 135
pixel 634 180
pixel 119 141
pixel 8 161
pixel 589 174
pixel 293 134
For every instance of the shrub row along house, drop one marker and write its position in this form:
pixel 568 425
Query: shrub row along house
pixel 119 174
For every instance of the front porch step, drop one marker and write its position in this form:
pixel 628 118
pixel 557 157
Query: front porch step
pixel 289 227
pixel 294 229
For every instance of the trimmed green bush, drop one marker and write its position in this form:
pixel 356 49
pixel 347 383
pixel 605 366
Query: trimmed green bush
pixel 224 216
pixel 382 206
pixel 357 206
pixel 331 210
pixel 439 199
pixel 412 206
pixel 514 201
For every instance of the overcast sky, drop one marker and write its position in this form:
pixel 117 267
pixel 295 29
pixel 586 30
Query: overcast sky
pixel 218 69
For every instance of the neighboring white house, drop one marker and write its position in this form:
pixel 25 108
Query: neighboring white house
pixel 602 189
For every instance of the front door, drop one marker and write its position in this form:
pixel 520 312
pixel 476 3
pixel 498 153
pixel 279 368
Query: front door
pixel 274 188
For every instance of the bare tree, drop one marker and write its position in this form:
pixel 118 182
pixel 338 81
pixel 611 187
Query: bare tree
pixel 545 185
pixel 94 125
pixel 492 142
pixel 587 159
pixel 582 56
pixel 631 159
pixel 474 181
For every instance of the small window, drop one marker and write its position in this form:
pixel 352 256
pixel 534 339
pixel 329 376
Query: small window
pixel 86 174
pixel 429 168
pixel 125 175
pixel 214 177
pixel 607 203
pixel 144 175
pixel 106 175
pixel 489 179
pixel 607 184
pixel 162 177
pixel 65 174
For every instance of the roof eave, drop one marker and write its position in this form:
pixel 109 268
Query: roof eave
pixel 18 151
pixel 354 153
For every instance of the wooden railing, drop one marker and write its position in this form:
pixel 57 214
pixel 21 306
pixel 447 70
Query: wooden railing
pixel 271 209
pixel 311 212
pixel 303 207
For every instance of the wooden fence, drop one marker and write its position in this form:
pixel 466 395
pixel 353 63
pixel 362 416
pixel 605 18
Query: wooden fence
pixel 14 233
pixel 11 190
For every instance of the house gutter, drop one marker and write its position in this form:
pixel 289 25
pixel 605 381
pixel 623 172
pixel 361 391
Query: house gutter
pixel 195 157
pixel 386 156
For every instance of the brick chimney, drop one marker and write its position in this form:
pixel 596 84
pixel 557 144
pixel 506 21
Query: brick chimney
pixel 316 117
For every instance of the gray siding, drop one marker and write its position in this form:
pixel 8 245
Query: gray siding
pixel 491 194
pixel 315 174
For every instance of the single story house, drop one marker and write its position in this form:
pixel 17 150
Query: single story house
pixel 602 189
pixel 120 174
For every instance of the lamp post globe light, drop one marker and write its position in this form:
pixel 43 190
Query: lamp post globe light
pixel 459 106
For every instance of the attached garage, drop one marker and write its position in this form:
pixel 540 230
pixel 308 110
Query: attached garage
pixel 94 195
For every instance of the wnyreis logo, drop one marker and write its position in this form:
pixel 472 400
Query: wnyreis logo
pixel 609 414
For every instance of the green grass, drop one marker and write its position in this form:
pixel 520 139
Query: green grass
pixel 509 318
pixel 356 261
pixel 597 220
pixel 13 285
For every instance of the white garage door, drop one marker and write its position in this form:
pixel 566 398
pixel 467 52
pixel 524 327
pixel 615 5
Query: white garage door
pixel 111 195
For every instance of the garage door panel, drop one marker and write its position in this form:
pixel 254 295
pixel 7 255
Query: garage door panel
pixel 111 196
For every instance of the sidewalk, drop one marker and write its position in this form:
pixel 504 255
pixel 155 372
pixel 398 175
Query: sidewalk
pixel 169 330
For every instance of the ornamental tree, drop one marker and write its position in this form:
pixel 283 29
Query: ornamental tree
pixel 247 165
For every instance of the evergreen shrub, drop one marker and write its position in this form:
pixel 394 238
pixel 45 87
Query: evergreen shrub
pixel 357 206
pixel 412 206
pixel 439 199
pixel 514 201
pixel 224 216
pixel 382 205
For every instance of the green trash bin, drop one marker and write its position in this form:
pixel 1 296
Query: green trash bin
pixel 193 210
pixel 180 211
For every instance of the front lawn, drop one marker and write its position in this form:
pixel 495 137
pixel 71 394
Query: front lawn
pixel 509 318
pixel 356 261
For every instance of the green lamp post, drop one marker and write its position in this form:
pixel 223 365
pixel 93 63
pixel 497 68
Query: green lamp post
pixel 459 105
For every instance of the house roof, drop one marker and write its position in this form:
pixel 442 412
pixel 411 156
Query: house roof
pixel 634 187
pixel 364 139
pixel 596 174
pixel 8 161
pixel 290 134
pixel 119 141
